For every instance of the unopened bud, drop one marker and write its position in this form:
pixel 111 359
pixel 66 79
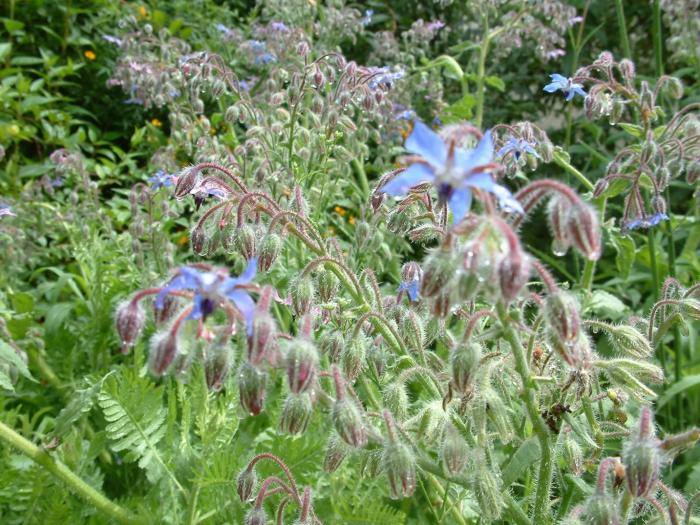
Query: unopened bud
pixel 675 87
pixel 129 321
pixel 198 240
pixel 332 344
pixel 301 364
pixel 561 312
pixel 217 364
pixel 251 386
pixel 164 348
pixel 262 337
pixel 270 248
pixel 454 451
pixel 327 285
pixel 627 69
pixel 513 274
pixel 186 181
pixel 352 358
pixel 412 331
pixel 585 231
pixel 439 270
pixel 336 451
pixel 296 413
pixel 630 341
pixel 302 292
pixel 347 415
pixel 464 362
pixel 558 219
pixel 245 483
pixel 601 509
pixel 245 241
pixel 395 399
pixel 399 463
pixel 256 516
pixel 642 463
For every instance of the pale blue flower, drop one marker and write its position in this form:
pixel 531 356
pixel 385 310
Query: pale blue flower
pixel 161 179
pixel 455 172
pixel 565 85
pixel 211 289
pixel 517 147
pixel 645 222
pixel 7 211
pixel 411 288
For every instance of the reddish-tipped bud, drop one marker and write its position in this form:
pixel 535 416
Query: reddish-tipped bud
pixel 561 313
pixel 217 365
pixel 186 181
pixel 302 292
pixel 129 321
pixel 246 241
pixel 585 231
pixel 576 354
pixel 558 219
pixel 347 415
pixel 454 452
pixel 256 516
pixel 442 304
pixel 296 413
pixel 513 274
pixel 336 451
pixel 301 364
pixel 262 337
pixel 245 483
pixel 251 386
pixel 464 362
pixel 270 248
pixel 411 272
pixel 163 315
pixel 641 457
pixel 332 344
pixel 399 463
pixel 440 267
pixel 198 240
pixel 164 348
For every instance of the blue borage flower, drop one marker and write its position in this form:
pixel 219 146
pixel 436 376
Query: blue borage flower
pixel 5 210
pixel 565 85
pixel 211 288
pixel 411 288
pixel 279 27
pixel 56 182
pixel 645 222
pixel 453 171
pixel 384 77
pixel 367 19
pixel 517 147
pixel 161 179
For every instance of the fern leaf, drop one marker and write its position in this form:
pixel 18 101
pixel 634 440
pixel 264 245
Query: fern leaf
pixel 133 408
pixel 81 402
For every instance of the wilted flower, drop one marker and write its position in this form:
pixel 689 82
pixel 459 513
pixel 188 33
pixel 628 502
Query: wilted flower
pixel 565 85
pixel 454 171
pixel 211 288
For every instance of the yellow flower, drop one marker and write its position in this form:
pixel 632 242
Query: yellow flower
pixel 182 239
pixel 351 220
pixel 142 11
pixel 212 131
pixel 157 123
pixel 90 54
pixel 340 211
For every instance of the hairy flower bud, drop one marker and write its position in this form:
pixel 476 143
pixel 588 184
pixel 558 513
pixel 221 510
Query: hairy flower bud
pixel 217 363
pixel 464 362
pixel 164 348
pixel 186 181
pixel 573 456
pixel 395 399
pixel 353 356
pixel 413 331
pixel 129 320
pixel 561 313
pixel 488 492
pixel 601 509
pixel 513 274
pixel 336 451
pixel 296 413
pixel 270 248
pixel 349 423
pixel 256 516
pixel 301 364
pixel 674 87
pixel 628 340
pixel 585 231
pixel 262 337
pixel 627 69
pixel 245 241
pixel 453 452
pixel 327 285
pixel 251 386
pixel 642 463
pixel 558 219
pixel 399 463
pixel 332 344
pixel 198 240
pixel 302 291
pixel 245 483
pixel 439 268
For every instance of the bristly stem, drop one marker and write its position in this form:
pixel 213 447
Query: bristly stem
pixel 62 472
pixel 658 44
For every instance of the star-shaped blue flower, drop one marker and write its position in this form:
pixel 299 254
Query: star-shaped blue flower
pixel 454 171
pixel 565 85
pixel 161 179
pixel 411 288
pixel 645 222
pixel 517 147
pixel 211 289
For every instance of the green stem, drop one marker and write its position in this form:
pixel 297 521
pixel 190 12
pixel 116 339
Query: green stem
pixel 658 44
pixel 561 161
pixel 677 339
pixel 541 512
pixel 61 471
pixel 622 24
pixel 361 178
pixel 481 76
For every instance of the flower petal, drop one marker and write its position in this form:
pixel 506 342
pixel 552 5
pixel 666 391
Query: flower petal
pixel 185 280
pixel 480 156
pixel 425 142
pixel 414 174
pixel 245 305
pixel 505 198
pixel 460 201
pixel 196 312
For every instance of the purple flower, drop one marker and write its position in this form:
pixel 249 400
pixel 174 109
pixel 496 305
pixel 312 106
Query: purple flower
pixel 56 183
pixel 453 171
pixel 517 147
pixel 6 210
pixel 211 289
pixel 565 85
pixel 280 27
pixel 644 222
pixel 161 180
pixel 436 25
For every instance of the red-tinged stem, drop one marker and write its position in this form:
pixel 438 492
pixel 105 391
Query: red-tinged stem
pixel 225 171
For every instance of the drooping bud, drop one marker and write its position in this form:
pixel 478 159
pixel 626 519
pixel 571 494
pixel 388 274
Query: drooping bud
pixel 558 219
pixel 395 399
pixel 327 285
pixel 412 331
pixel 245 483
pixel 256 516
pixel 198 240
pixel 251 386
pixel 674 87
pixel 454 451
pixel 513 274
pixel 296 413
pixel 217 363
pixel 164 348
pixel 336 451
pixel 332 344
pixel 302 291
pixel 399 462
pixel 585 231
pixel 628 340
pixel 573 456
pixel 270 248
pixel 129 321
pixel 439 270
pixel 245 241
pixel 164 314
pixel 642 463
pixel 262 337
pixel 561 313
pixel 464 362
pixel 601 509
pixel 352 358
pixel 186 181
pixel 627 69
pixel 347 415
pixel 488 491
pixel 301 364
